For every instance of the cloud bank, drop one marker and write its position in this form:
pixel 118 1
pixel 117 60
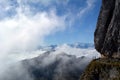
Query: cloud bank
pixel 23 30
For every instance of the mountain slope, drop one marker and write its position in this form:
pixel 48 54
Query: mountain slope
pixel 64 62
pixel 102 69
pixel 62 67
pixel 47 66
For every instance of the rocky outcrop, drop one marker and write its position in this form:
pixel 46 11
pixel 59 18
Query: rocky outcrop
pixel 107 42
pixel 102 69
pixel 107 34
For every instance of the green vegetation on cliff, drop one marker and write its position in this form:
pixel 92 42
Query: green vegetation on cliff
pixel 102 69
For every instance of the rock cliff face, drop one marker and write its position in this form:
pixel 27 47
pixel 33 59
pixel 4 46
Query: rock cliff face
pixel 107 42
pixel 107 34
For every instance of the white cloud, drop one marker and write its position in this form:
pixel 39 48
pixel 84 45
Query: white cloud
pixel 48 2
pixel 25 31
pixel 89 6
pixel 88 52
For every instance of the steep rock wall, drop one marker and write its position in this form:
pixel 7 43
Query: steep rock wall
pixel 107 33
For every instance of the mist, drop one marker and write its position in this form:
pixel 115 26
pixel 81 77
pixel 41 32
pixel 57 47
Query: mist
pixel 23 29
pixel 63 60
pixel 23 32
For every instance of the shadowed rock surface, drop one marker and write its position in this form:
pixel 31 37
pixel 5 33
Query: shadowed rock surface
pixel 107 34
pixel 102 69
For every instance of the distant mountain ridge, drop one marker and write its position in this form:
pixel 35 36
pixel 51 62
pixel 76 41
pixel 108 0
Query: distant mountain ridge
pixel 63 62
pixel 75 45
pixel 48 66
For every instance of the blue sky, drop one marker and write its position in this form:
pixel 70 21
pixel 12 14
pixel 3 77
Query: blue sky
pixel 30 23
pixel 83 27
